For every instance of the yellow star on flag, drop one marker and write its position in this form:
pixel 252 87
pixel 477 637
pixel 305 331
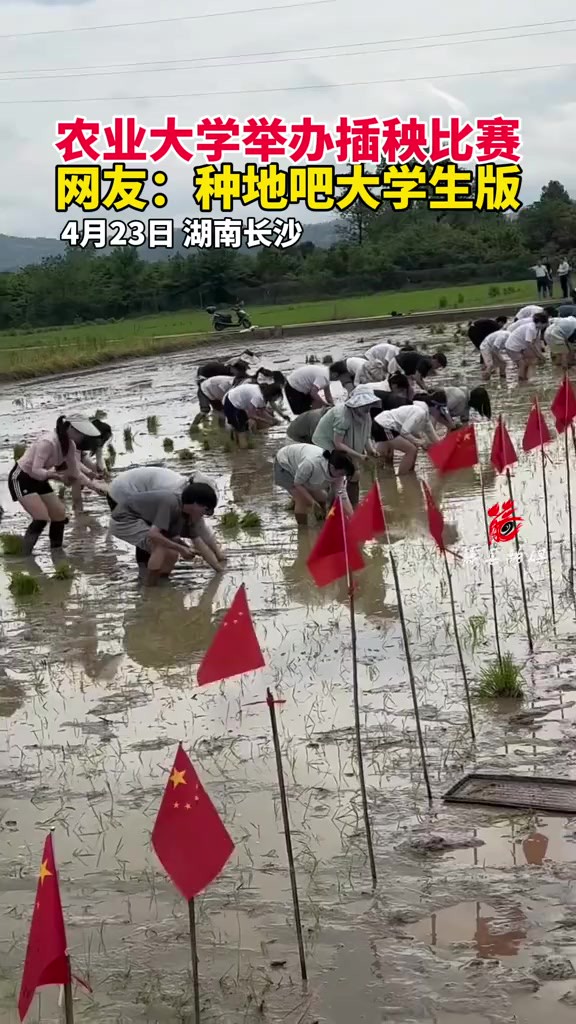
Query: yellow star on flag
pixel 44 873
pixel 178 778
pixel 332 512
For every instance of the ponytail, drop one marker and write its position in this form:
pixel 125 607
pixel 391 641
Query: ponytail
pixel 62 434
pixel 480 401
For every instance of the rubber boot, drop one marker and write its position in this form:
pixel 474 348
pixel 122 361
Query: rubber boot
pixel 353 492
pixel 142 557
pixel 32 534
pixel 56 533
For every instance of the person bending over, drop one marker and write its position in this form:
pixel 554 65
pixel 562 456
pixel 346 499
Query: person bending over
pixel 312 477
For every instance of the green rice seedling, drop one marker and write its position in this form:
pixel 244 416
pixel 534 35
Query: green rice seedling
pixel 194 430
pixel 100 414
pixel 128 439
pixel 18 451
pixel 501 680
pixel 251 521
pixel 111 457
pixel 185 455
pixel 11 543
pixel 64 571
pixel 475 631
pixel 22 584
pixel 312 359
pixel 230 520
pixel 168 444
pixel 152 424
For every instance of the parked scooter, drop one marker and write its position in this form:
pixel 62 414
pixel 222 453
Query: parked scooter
pixel 222 321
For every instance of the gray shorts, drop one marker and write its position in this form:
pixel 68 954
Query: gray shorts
pixel 132 530
pixel 282 478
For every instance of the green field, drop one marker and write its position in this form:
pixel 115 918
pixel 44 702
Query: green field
pixel 34 353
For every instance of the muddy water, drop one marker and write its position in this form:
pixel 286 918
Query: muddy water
pixel 97 684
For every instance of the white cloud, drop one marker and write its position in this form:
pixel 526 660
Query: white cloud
pixel 27 128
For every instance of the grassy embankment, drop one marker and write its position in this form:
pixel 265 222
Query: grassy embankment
pixel 54 350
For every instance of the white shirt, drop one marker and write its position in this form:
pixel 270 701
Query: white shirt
pixel 563 268
pixel 355 364
pixel 495 341
pixel 383 352
pixel 310 376
pixel 151 478
pixel 528 311
pixel 216 387
pixel 524 335
pixel 245 396
pixel 457 400
pixel 409 419
pixel 540 270
pixel 561 327
pixel 306 463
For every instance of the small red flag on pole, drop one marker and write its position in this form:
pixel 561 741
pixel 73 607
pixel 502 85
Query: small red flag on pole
pixel 455 451
pixel 536 432
pixel 234 648
pixel 368 521
pixel 47 960
pixel 503 452
pixel 335 553
pixel 435 518
pixel 189 837
pixel 564 405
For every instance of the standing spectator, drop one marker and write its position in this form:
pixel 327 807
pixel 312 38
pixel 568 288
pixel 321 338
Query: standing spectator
pixel 549 278
pixel 541 273
pixel 564 276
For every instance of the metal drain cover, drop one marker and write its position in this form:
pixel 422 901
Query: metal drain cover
pixel 557 796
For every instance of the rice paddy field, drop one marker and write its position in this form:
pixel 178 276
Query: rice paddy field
pixel 34 353
pixel 473 919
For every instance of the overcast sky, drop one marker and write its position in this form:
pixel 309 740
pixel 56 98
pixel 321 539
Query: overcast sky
pixel 544 99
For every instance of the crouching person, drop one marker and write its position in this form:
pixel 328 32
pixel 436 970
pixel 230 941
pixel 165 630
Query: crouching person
pixel 158 524
pixel 312 477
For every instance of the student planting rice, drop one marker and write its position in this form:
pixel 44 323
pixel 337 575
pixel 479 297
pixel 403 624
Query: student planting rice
pixel 227 367
pixel 54 455
pixel 460 400
pixel 410 427
pixel 215 389
pixel 491 354
pixel 302 427
pixel 347 429
pixel 481 329
pixel 312 477
pixel 524 345
pixel 527 312
pixel 245 408
pixel 383 352
pixel 308 387
pixel 157 524
pixel 560 336
pixel 417 366
pixel 144 479
pixel 356 370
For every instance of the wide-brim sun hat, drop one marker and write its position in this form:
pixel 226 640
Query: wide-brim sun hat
pixel 359 399
pixel 83 425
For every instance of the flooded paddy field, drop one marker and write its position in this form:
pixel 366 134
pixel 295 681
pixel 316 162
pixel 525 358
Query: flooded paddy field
pixel 98 683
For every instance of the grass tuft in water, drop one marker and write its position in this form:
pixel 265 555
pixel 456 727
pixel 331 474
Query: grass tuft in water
pixel 152 424
pixel 251 521
pixel 230 520
pixel 22 584
pixel 185 455
pixel 194 429
pixel 111 457
pixel 501 680
pixel 11 543
pixel 64 571
pixel 168 444
pixel 18 451
pixel 128 439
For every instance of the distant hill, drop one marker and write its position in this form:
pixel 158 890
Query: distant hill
pixel 21 252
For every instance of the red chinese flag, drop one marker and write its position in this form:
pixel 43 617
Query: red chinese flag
pixel 368 521
pixel 234 648
pixel 335 552
pixel 503 451
pixel 189 837
pixel 435 518
pixel 564 405
pixel 46 956
pixel 455 451
pixel 536 432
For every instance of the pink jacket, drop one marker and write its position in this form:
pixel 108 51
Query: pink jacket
pixel 45 454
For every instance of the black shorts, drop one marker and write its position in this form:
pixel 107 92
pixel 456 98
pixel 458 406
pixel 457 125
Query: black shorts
pixel 237 418
pixel 380 434
pixel 20 484
pixel 111 503
pixel 202 400
pixel 216 404
pixel 297 400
